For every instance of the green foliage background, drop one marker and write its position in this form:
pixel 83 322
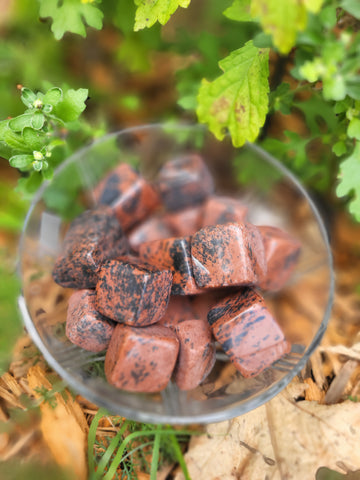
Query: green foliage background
pixel 282 73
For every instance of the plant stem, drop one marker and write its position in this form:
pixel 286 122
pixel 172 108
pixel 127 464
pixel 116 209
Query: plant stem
pixel 179 456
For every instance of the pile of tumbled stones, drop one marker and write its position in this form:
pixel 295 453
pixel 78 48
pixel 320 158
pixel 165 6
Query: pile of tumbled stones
pixel 167 272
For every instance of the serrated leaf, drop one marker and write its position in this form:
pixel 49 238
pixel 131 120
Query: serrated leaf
pixel 53 96
pixel 282 19
pixel 149 12
pixel 17 124
pixel 15 140
pixel 239 11
pixel 21 161
pixel 71 16
pixel 72 105
pixel 237 100
pixel 34 140
pixel 352 7
pixel 349 177
pixel 37 120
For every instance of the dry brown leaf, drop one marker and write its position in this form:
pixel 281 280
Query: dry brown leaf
pixel 62 426
pixel 283 439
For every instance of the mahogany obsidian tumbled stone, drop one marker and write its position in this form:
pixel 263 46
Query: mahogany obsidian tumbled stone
pixel 141 359
pixel 129 194
pixel 184 181
pixel 228 254
pixel 244 327
pixel 219 209
pixel 282 253
pixel 173 254
pixel 130 292
pixel 197 348
pixel 85 326
pixel 93 237
pixel 153 228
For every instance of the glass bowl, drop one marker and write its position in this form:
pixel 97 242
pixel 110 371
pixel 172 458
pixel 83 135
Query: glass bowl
pixel 274 197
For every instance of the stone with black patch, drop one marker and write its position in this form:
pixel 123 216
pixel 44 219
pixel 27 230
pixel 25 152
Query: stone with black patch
pixel 244 327
pixel 129 194
pixel 282 253
pixel 93 237
pixel 184 181
pixel 85 326
pixel 221 209
pixel 173 254
pixel 231 254
pixel 130 292
pixel 141 359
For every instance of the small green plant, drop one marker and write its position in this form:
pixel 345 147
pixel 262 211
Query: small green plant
pixel 127 448
pixel 29 141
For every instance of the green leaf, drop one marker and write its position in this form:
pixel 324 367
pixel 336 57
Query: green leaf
pixel 15 140
pixel 238 99
pixel 353 130
pixel 72 105
pixel 339 148
pixel 17 124
pixel 71 16
pixel 35 140
pixel 27 97
pixel 53 96
pixel 21 161
pixel 149 12
pixel 282 19
pixel 334 88
pixel 37 120
pixel 353 90
pixel 352 7
pixel 239 10
pixel 349 177
pixel 313 6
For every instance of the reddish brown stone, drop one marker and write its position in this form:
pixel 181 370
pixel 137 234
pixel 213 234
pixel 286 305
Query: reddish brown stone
pixel 244 326
pixel 196 355
pixel 151 229
pixel 282 252
pixel 173 254
pixel 141 359
pixel 93 237
pixel 85 326
pixel 253 364
pixel 178 310
pixel 185 222
pixel 129 194
pixel 197 348
pixel 229 254
pixel 218 210
pixel 184 181
pixel 131 293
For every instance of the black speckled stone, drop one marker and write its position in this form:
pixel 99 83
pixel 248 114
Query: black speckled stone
pixel 244 326
pixel 85 326
pixel 184 181
pixel 132 293
pixel 141 359
pixel 93 237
